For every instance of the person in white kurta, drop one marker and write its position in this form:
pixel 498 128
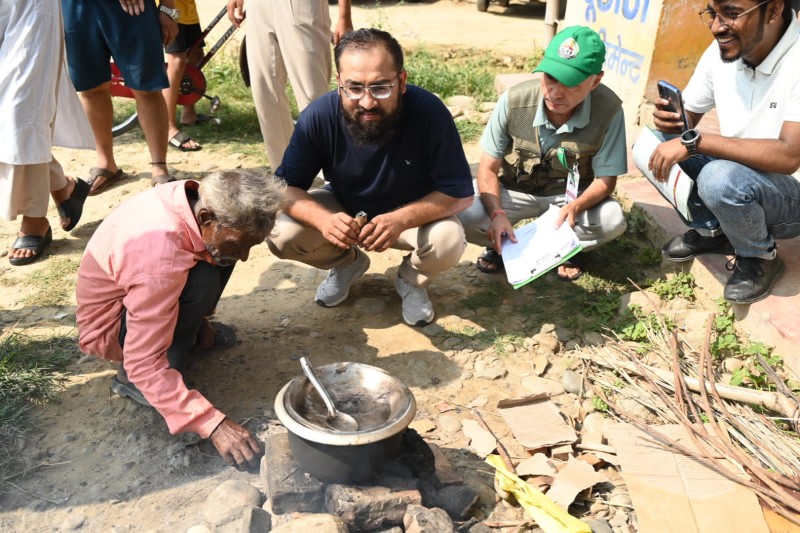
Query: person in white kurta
pixel 38 109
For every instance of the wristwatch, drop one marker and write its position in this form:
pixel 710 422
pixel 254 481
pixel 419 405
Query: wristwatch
pixel 689 139
pixel 172 13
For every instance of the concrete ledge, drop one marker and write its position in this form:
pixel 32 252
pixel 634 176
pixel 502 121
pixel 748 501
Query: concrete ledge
pixel 774 320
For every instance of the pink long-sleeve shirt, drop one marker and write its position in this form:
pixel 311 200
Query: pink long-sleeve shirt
pixel 139 258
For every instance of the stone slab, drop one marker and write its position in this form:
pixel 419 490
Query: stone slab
pixel 286 485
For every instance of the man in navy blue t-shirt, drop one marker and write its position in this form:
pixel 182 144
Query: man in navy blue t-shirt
pixel 391 153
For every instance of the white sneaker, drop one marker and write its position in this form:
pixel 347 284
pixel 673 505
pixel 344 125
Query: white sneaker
pixel 336 287
pixel 417 306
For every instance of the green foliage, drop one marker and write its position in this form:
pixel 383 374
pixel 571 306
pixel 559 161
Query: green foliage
pixel 599 404
pixel 53 284
pixel 461 72
pixel 469 130
pixel 29 374
pixel 752 375
pixel 681 285
pixel 726 342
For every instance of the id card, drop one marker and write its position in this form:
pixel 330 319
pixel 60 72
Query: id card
pixel 573 177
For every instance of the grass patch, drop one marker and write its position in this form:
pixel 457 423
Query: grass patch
pixel 30 373
pixel 52 284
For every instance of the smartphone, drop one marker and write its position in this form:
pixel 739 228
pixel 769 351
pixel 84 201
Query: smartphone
pixel 669 92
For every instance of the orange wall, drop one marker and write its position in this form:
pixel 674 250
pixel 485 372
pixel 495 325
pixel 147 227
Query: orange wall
pixel 680 42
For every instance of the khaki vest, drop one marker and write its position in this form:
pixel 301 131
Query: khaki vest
pixel 525 169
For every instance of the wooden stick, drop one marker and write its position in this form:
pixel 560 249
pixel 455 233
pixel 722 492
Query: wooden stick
pixel 500 448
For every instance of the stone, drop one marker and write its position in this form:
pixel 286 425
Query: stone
pixel 630 405
pixel 548 342
pixel 369 508
pixel 449 423
pixel 695 324
pixel 572 382
pixel 564 334
pixel 535 385
pixel 593 338
pixel 480 528
pixel 226 502
pixel 313 523
pixel 251 520
pixel 594 423
pixel 647 301
pixel 419 519
pixel 433 330
pixel 199 529
pixel 73 522
pixel 490 369
pixel 456 500
pixel 285 484
pixel 462 101
pixel 396 529
pixel 732 364
pixel 485 107
pixel 621 500
pixel 599 526
pixel 619 519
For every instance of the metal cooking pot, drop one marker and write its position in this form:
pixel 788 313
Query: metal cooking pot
pixel 382 405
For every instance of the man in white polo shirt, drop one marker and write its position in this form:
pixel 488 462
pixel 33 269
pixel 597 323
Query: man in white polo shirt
pixel 747 192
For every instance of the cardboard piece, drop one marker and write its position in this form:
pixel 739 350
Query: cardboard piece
pixel 480 440
pixel 538 465
pixel 575 477
pixel 537 423
pixel 672 492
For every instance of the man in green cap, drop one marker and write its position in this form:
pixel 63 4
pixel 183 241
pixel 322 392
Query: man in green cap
pixel 554 140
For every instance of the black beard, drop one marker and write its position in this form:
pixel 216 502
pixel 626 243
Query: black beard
pixel 374 132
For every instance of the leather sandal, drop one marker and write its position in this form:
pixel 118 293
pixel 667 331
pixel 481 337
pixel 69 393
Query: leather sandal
pixel 34 243
pixel 492 262
pixel 101 179
pixel 72 207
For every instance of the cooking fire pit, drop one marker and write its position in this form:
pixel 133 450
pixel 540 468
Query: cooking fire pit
pixel 382 405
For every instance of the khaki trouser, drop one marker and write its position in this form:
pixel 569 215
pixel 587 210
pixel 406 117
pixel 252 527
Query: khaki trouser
pixel 434 247
pixel 286 40
pixel 25 189
pixel 594 227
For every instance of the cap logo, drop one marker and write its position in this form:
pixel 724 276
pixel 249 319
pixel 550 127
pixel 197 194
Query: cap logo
pixel 569 49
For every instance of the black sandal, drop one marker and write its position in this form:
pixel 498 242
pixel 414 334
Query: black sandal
pixel 72 207
pixel 576 261
pixel 492 262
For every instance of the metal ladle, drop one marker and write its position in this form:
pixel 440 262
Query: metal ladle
pixel 336 419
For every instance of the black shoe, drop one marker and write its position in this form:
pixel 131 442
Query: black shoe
pixel 752 279
pixel 686 246
pixel 129 390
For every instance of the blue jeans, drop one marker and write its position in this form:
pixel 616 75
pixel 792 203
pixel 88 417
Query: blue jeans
pixel 752 208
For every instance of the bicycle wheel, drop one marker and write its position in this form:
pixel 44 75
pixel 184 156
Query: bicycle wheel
pixel 125 116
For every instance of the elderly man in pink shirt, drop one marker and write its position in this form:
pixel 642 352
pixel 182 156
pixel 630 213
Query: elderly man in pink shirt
pixel 147 285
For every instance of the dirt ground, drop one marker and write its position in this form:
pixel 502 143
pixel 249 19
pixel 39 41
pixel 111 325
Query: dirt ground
pixel 101 463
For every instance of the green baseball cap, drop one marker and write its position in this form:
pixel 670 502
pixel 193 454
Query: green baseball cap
pixel 574 54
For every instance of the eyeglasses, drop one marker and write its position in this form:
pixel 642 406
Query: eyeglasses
pixel 356 92
pixel 708 16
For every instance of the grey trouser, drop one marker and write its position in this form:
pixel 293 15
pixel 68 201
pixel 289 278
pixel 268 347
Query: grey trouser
pixel 594 227
pixel 434 247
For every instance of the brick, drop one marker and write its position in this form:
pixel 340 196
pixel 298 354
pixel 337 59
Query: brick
pixel 286 485
pixel 369 508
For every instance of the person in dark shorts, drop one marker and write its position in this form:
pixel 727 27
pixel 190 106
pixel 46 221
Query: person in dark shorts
pixel 132 33
pixel 178 56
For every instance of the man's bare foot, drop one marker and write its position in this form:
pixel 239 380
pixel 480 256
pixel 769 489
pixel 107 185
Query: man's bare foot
pixel 160 174
pixel 30 226
pixel 188 117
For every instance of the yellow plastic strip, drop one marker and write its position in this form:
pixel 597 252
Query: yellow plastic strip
pixel 550 517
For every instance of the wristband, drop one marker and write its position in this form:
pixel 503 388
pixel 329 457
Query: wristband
pixel 495 213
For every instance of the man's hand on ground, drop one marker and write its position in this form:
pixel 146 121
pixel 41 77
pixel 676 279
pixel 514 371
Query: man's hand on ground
pixel 236 12
pixel 340 229
pixel 380 233
pixel 236 445
pixel 132 7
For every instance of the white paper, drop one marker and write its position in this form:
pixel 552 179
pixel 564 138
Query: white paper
pixel 539 247
pixel 678 185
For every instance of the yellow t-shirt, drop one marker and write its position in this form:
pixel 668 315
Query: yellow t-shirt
pixel 188 12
